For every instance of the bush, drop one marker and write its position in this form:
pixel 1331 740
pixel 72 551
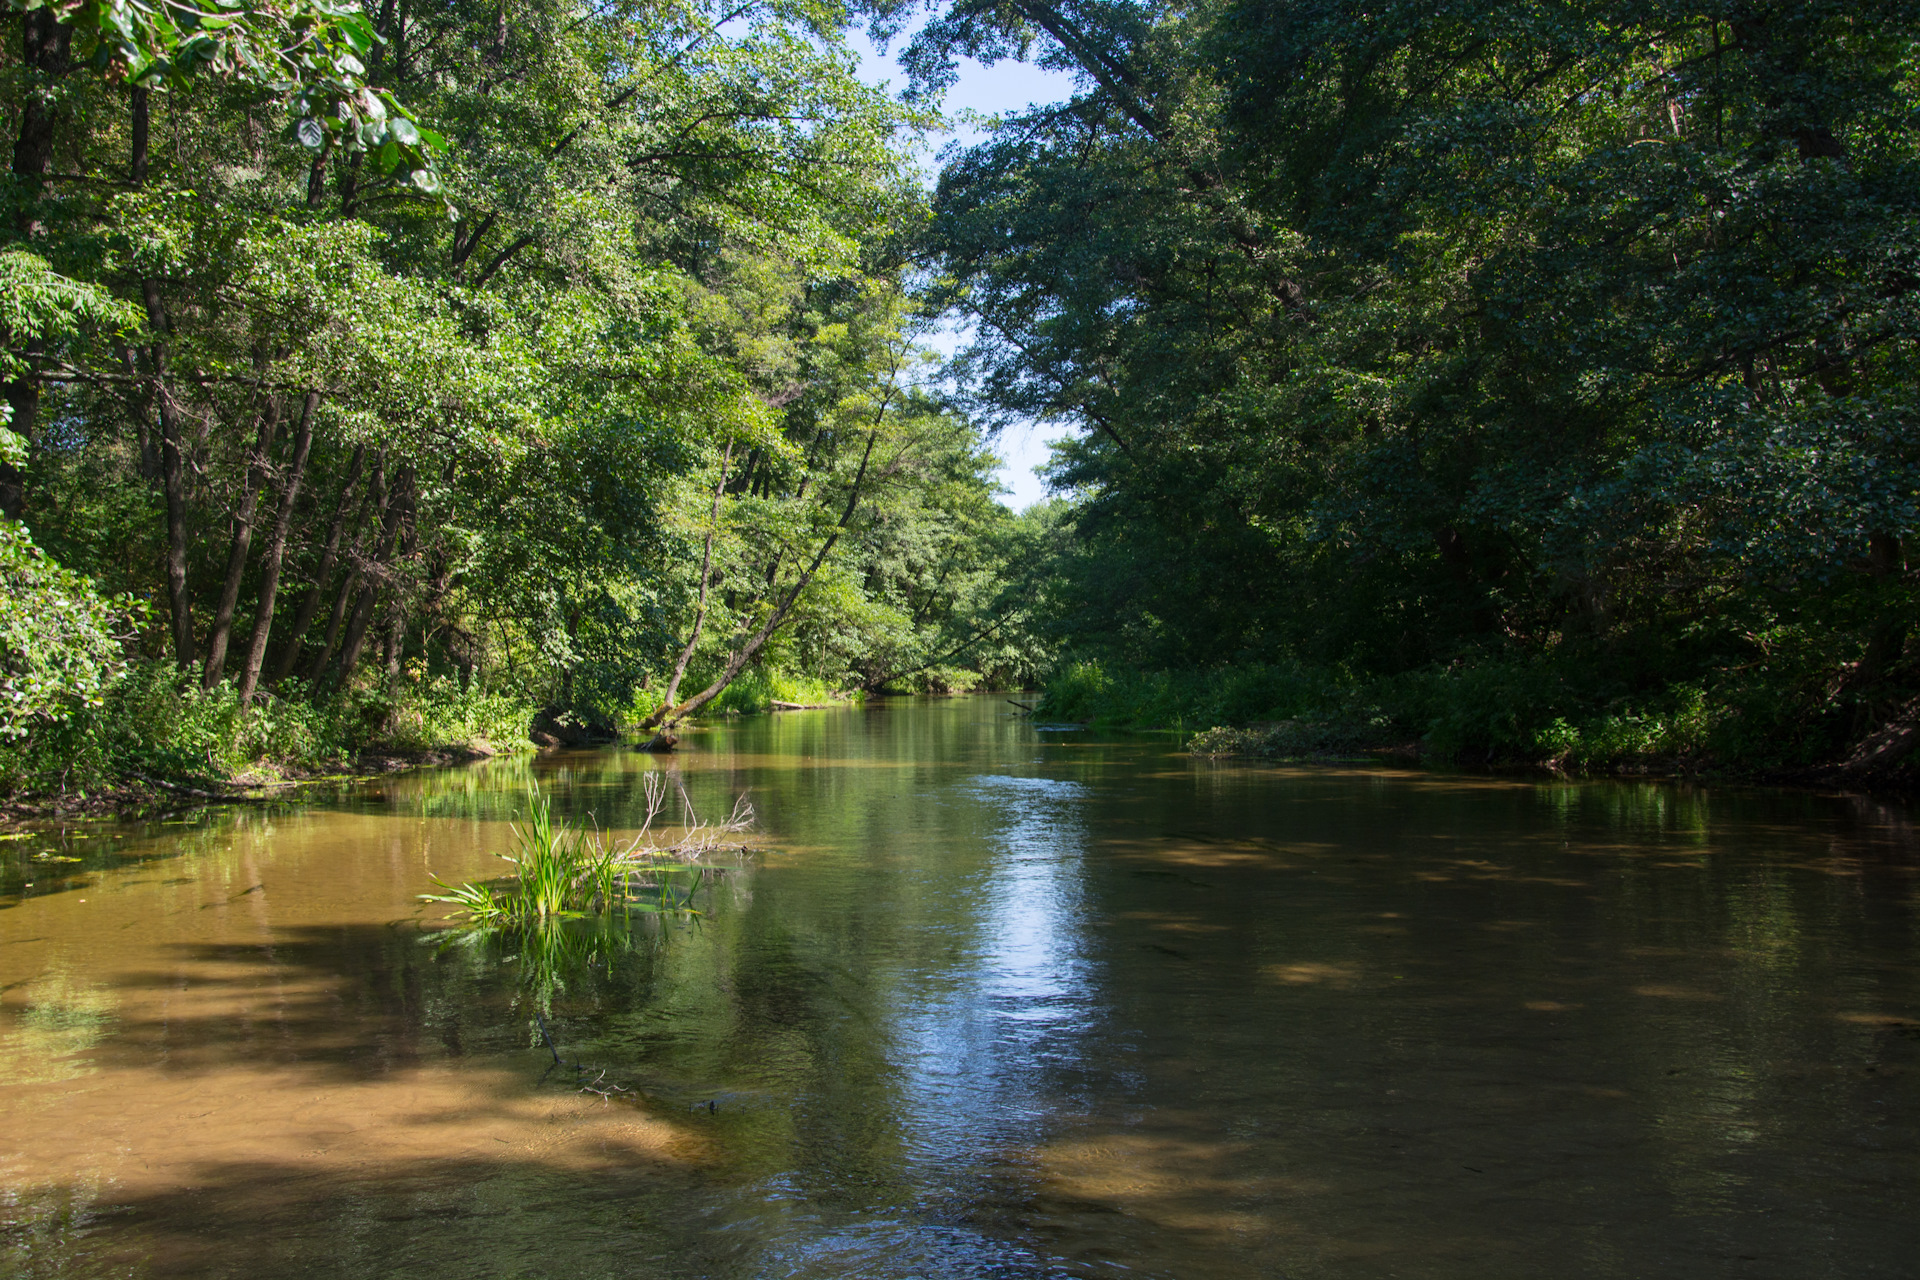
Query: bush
pixel 1489 710
pixel 1291 739
pixel 1088 692
pixel 437 713
pixel 59 648
pixel 158 722
pixel 758 688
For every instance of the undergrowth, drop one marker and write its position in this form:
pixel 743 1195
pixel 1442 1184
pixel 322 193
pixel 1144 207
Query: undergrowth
pixel 757 689
pixel 156 722
pixel 1486 711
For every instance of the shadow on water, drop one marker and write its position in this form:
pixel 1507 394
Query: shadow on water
pixel 987 1004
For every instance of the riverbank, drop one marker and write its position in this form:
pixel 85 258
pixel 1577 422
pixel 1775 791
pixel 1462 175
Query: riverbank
pixel 156 738
pixel 137 794
pixel 1510 715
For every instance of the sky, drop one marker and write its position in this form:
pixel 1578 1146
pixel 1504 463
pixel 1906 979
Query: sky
pixel 1003 87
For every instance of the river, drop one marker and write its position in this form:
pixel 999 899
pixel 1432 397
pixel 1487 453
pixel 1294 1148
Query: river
pixel 985 1002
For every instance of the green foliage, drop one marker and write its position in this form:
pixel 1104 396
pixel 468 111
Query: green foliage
pixel 314 54
pixel 369 419
pixel 60 645
pixel 561 872
pixel 1089 692
pixel 1486 711
pixel 758 688
pixel 438 713
pixel 154 722
pixel 1549 370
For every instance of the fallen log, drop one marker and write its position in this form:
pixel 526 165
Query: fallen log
pixel 223 797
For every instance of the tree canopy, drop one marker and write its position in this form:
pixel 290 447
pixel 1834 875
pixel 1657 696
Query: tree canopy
pixel 359 350
pixel 1506 373
pixel 1576 338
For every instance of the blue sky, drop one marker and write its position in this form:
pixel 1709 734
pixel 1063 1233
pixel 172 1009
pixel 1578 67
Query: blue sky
pixel 1003 87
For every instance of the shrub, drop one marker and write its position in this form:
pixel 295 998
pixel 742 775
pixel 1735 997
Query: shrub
pixel 758 688
pixel 1087 691
pixel 156 721
pixel 1490 709
pixel 438 713
pixel 59 645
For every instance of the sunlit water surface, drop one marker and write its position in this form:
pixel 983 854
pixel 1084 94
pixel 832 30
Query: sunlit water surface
pixel 987 1003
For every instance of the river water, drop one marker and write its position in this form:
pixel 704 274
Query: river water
pixel 987 1002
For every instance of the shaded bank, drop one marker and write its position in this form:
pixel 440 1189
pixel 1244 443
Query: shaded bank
pixel 1509 715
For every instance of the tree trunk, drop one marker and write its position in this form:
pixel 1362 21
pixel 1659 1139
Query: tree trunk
pixel 1888 638
pixel 142 127
pixel 45 53
pixel 370 593
pixel 336 618
pixel 706 573
pixel 397 616
pixel 311 604
pixel 666 714
pixel 45 45
pixel 317 178
pixel 173 480
pixel 381 497
pixel 256 476
pixel 277 549
pixel 173 484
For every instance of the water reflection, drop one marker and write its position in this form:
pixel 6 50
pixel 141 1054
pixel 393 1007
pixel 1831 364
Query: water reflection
pixel 983 1005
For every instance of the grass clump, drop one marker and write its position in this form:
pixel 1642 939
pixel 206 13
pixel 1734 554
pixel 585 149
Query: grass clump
pixel 565 873
pixel 573 900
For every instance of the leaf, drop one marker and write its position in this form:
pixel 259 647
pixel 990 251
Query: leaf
pixel 357 31
pixel 405 132
pixel 425 179
pixel 311 135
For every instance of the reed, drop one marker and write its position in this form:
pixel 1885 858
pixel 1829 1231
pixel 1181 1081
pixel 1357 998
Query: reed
pixel 562 872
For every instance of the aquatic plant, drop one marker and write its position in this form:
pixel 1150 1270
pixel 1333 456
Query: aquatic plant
pixel 563 872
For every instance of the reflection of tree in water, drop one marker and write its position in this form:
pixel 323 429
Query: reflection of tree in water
pixel 62 1016
pixel 72 855
pixel 486 790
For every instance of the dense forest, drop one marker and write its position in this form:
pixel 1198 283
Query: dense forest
pixel 389 376
pixel 1529 382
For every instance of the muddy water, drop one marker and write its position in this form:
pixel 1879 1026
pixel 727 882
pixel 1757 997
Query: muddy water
pixel 990 1003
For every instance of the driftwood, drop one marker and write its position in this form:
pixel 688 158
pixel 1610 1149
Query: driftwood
pixel 1024 706
pixel 1887 745
pixel 778 705
pixel 661 742
pixel 224 797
